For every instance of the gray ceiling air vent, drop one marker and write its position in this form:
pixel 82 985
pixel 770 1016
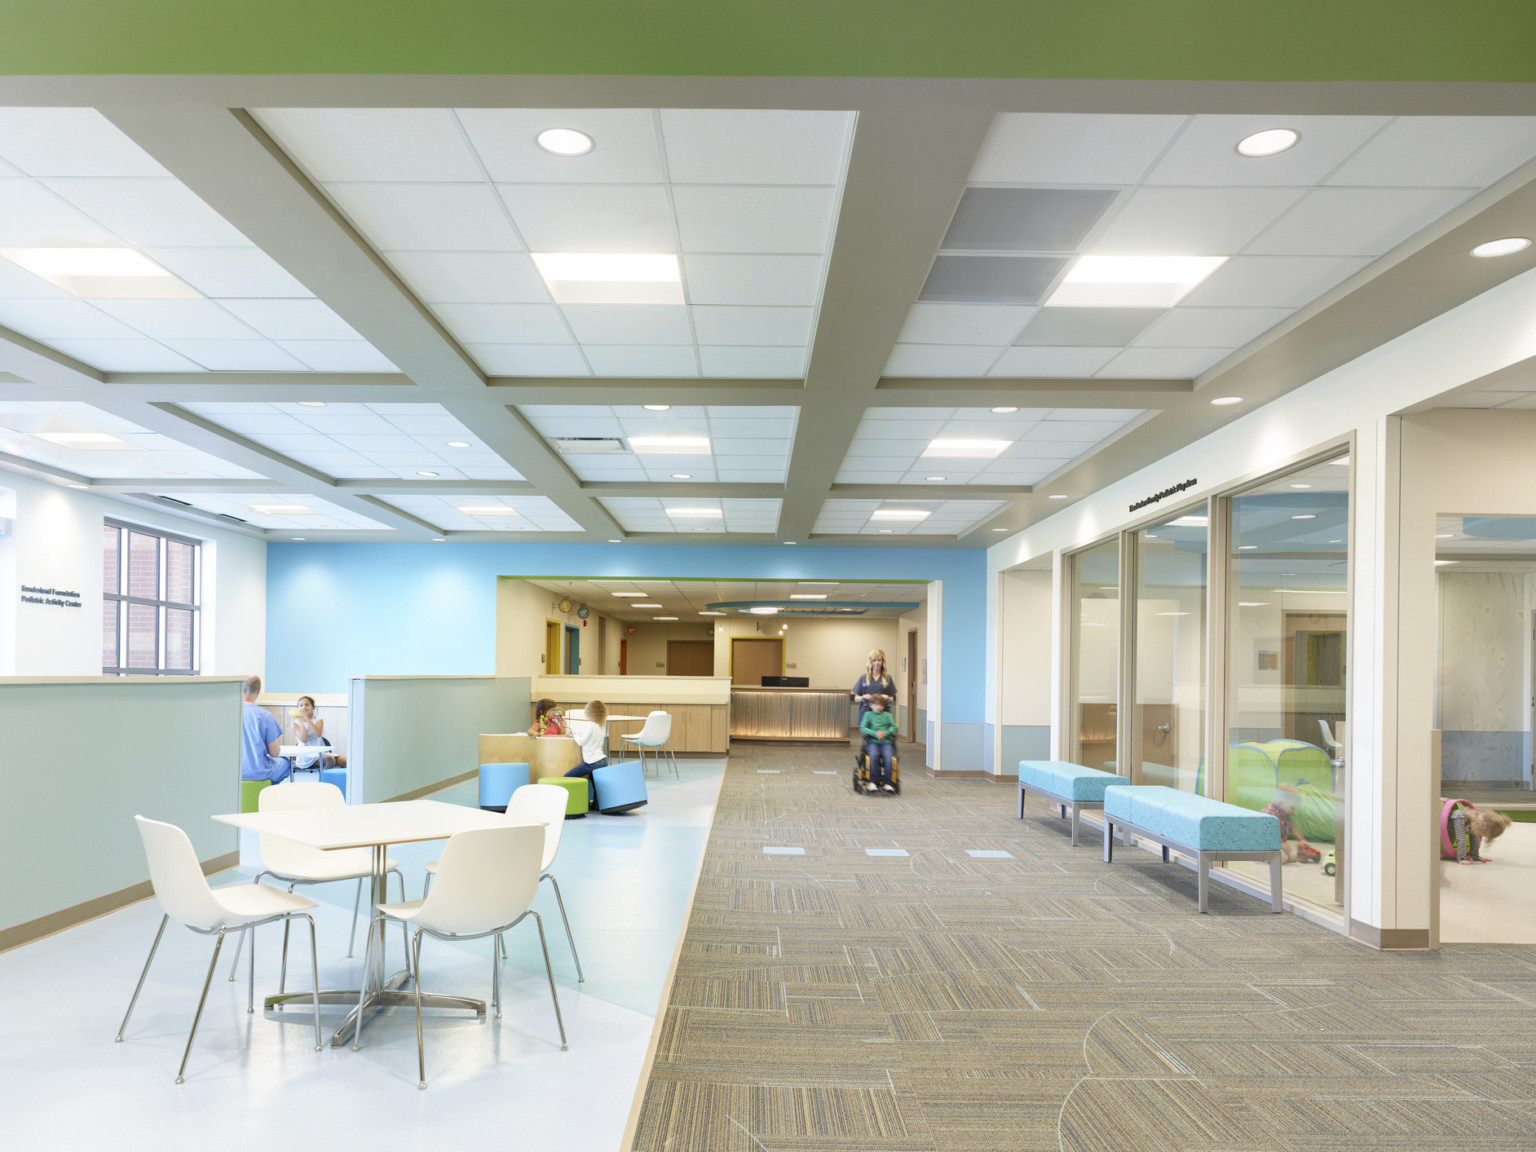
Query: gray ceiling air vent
pixel 588 445
pixel 1025 219
pixel 964 279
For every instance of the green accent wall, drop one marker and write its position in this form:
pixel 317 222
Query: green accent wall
pixel 1243 40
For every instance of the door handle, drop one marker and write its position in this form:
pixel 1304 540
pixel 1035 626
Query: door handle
pixel 1164 728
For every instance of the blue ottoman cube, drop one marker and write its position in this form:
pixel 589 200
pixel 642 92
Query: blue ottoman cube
pixel 498 782
pixel 620 787
pixel 336 776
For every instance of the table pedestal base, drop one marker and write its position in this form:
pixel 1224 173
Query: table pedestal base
pixel 391 997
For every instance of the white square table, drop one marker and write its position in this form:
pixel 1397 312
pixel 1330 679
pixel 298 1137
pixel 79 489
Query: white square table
pixel 374 826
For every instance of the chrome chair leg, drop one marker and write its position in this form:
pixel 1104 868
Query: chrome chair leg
pixel 550 972
pixel 240 943
pixel 201 1000
pixel 496 975
pixel 405 935
pixel 566 920
pixel 421 1055
pixel 250 980
pixel 362 990
pixel 282 975
pixel 139 987
pixel 314 971
pixel 356 903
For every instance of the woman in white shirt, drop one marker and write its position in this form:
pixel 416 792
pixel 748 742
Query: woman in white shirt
pixel 590 731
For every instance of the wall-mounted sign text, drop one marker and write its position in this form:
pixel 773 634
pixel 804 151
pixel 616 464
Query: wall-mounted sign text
pixel 1164 494
pixel 55 597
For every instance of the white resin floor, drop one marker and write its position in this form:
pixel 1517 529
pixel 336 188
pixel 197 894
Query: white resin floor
pixel 1493 903
pixel 256 1082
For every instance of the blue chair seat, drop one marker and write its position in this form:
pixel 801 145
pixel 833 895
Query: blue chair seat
pixel 1069 781
pixel 498 782
pixel 620 787
pixel 336 776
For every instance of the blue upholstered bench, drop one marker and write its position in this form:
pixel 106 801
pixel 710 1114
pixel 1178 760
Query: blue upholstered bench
pixel 1062 784
pixel 1206 829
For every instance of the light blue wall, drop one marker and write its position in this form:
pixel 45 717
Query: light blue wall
pixel 339 610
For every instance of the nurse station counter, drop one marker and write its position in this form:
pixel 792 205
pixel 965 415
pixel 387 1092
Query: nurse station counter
pixel 789 713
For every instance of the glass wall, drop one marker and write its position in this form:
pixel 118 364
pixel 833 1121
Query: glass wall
pixel 1168 725
pixel 1287 634
pixel 1095 654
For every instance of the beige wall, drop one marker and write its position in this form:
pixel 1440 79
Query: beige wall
pixel 1026 653
pixel 648 646
pixel 523 608
pixel 831 653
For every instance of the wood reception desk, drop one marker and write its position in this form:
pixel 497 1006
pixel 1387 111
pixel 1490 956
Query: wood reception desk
pixel 789 713
pixel 699 705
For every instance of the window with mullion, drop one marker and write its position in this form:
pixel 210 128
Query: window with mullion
pixel 150 602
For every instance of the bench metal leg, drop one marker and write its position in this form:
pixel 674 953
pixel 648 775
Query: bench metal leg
pixel 1109 841
pixel 1074 823
pixel 1275 903
pixel 1205 879
pixel 1063 811
pixel 1021 801
pixel 1165 853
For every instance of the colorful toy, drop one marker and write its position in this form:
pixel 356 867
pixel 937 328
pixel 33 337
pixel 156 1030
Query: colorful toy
pixel 1447 848
pixel 1330 863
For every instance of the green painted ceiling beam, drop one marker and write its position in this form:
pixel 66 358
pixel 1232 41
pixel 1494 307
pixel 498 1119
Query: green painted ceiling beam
pixel 1243 40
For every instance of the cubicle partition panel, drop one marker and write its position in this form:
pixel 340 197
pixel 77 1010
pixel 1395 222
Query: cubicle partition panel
pixel 83 756
pixel 411 735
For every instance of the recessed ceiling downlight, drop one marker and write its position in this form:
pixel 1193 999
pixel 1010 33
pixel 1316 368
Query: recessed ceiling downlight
pixel 1270 142
pixel 1508 246
pixel 1224 401
pixel 564 142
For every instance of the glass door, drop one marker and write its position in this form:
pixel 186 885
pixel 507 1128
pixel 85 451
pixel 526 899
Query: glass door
pixel 1095 654
pixel 1168 724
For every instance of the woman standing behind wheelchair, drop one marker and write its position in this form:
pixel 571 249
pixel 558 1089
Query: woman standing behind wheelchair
pixel 875 684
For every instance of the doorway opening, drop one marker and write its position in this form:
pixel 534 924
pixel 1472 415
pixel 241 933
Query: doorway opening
pixel 552 647
pixel 572 650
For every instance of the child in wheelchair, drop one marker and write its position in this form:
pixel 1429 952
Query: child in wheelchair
pixel 879 730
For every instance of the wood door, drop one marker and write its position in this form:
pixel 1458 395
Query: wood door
pixel 551 647
pixel 753 658
pixel 690 657
pixel 912 687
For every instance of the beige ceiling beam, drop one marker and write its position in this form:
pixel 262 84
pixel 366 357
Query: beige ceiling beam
pixel 944 392
pixel 946 492
pixel 906 171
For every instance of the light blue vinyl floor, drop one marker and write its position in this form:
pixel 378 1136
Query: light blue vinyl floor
pixel 255 1080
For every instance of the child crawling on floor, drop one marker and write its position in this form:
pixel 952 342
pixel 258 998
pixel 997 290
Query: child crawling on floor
pixel 1293 845
pixel 1470 830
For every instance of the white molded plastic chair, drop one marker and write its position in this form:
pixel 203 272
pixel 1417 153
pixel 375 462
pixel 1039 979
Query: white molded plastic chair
pixel 542 804
pixel 185 896
pixel 300 864
pixel 486 881
pixel 667 745
pixel 656 735
pixel 1328 741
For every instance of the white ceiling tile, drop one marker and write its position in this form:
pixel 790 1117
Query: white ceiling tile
pixel 1046 361
pixel 631 360
pixel 471 277
pixel 1070 148
pixel 1210 327
pixel 1206 151
pixel 338 355
pixel 504 323
pixel 178 319
pixel 754 146
pixel 32 217
pixel 591 217
pixel 225 272
pixel 1441 151
pixel 760 327
pixel 749 219
pixel 746 423
pixel 758 363
pixel 964 324
pixel 70 142
pixel 1353 221
pixel 629 323
pixel 1273 281
pixel 624 148
pixel 67 318
pixel 1162 363
pixel 292 319
pixel 237 355
pixel 939 360
pixel 125 355
pixel 528 359
pixel 1066 431
pixel 427 217
pixel 1191 221
pixel 150 212
pixel 16 283
pixel 770 280
pixel 372 143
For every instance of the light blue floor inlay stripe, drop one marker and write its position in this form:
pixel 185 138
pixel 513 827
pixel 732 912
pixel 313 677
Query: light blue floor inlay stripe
pixel 767 771
pixel 886 852
pixel 989 854
pixel 772 851
pixel 824 772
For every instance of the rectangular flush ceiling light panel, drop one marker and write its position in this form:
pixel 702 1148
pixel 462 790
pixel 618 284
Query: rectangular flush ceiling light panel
pixel 281 511
pixel 911 445
pixel 488 513
pixel 693 515
pixel 863 517
pixel 1025 219
pixel 75 182
pixel 472 212
pixel 85 440
pixel 740 445
pixel 364 441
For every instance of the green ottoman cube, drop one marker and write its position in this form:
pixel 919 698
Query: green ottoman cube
pixel 249 791
pixel 576 803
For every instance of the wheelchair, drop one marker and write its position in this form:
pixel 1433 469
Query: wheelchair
pixel 861 771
